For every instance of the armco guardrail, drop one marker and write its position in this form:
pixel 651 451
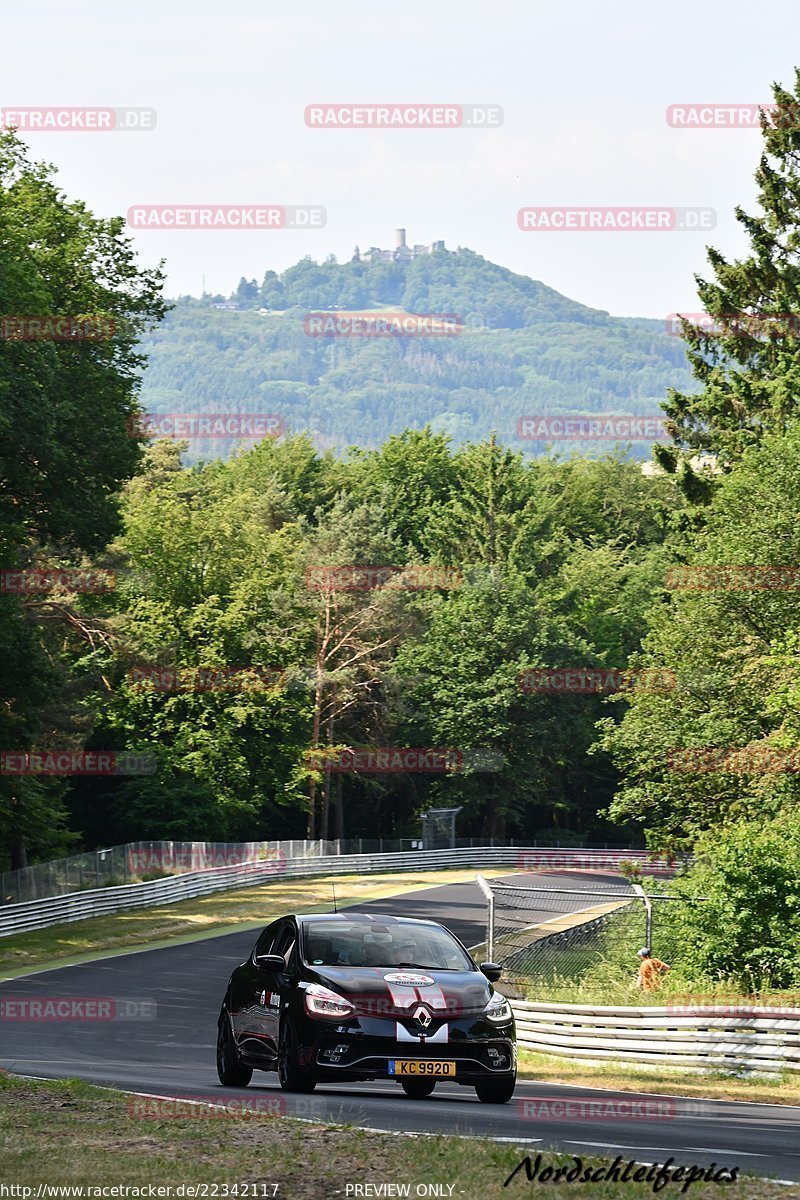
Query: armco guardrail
pixel 135 861
pixel 77 906
pixel 712 1036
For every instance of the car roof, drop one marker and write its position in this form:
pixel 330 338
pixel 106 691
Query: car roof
pixel 366 918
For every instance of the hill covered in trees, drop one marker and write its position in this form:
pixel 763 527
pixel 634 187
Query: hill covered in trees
pixel 521 349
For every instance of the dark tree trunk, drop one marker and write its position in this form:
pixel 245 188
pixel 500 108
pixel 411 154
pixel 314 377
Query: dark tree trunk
pixel 19 853
pixel 338 808
pixel 326 787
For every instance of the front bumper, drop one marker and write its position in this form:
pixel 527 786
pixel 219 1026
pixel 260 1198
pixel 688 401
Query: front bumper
pixel 362 1049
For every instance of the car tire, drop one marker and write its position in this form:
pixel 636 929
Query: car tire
pixel 290 1075
pixel 418 1089
pixel 231 1072
pixel 496 1091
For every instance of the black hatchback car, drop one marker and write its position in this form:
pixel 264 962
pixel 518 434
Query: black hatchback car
pixel 349 996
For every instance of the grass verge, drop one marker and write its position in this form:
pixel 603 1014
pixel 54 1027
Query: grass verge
pixel 72 1134
pixel 631 1077
pixel 221 912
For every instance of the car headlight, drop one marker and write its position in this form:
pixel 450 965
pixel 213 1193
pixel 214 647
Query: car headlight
pixel 498 1009
pixel 322 1002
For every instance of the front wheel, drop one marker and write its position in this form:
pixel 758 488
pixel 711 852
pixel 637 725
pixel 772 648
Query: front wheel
pixel 496 1091
pixel 290 1077
pixel 418 1089
pixel 230 1070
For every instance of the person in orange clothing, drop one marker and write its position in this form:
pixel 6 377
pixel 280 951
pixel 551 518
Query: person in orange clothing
pixel 650 970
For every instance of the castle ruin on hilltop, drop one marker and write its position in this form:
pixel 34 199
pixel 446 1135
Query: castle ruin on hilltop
pixel 402 252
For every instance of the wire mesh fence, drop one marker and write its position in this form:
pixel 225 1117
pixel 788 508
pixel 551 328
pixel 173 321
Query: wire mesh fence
pixel 554 940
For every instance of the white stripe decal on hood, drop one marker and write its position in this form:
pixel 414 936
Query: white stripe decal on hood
pixel 402 997
pixel 433 997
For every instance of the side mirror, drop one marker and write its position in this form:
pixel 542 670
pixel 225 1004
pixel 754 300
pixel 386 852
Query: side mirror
pixel 270 962
pixel 491 971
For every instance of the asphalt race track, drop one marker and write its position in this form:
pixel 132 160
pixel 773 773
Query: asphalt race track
pixel 173 1055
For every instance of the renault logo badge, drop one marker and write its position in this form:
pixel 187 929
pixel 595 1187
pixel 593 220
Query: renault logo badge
pixel 423 1016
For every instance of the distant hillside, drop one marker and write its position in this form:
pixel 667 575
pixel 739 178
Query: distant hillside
pixel 524 349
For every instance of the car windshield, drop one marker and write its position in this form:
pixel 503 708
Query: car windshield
pixel 358 944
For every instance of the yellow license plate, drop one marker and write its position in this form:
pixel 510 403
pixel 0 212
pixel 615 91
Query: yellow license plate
pixel 416 1066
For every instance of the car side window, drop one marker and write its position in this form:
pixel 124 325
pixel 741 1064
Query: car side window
pixel 267 940
pixel 284 942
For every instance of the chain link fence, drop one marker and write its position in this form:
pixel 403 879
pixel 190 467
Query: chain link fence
pixel 559 939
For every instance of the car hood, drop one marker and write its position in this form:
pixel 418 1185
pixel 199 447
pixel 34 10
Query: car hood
pixel 381 991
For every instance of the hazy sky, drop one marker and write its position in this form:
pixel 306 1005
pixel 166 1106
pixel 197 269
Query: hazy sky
pixel 584 88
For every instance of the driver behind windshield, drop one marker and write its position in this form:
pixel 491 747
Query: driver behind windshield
pixel 403 953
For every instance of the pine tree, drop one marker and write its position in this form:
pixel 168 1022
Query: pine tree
pixel 747 360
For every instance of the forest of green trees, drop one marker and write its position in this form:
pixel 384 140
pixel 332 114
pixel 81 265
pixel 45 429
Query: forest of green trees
pixel 503 567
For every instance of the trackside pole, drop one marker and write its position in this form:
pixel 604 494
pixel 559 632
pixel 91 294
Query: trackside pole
pixel 648 907
pixel 489 894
